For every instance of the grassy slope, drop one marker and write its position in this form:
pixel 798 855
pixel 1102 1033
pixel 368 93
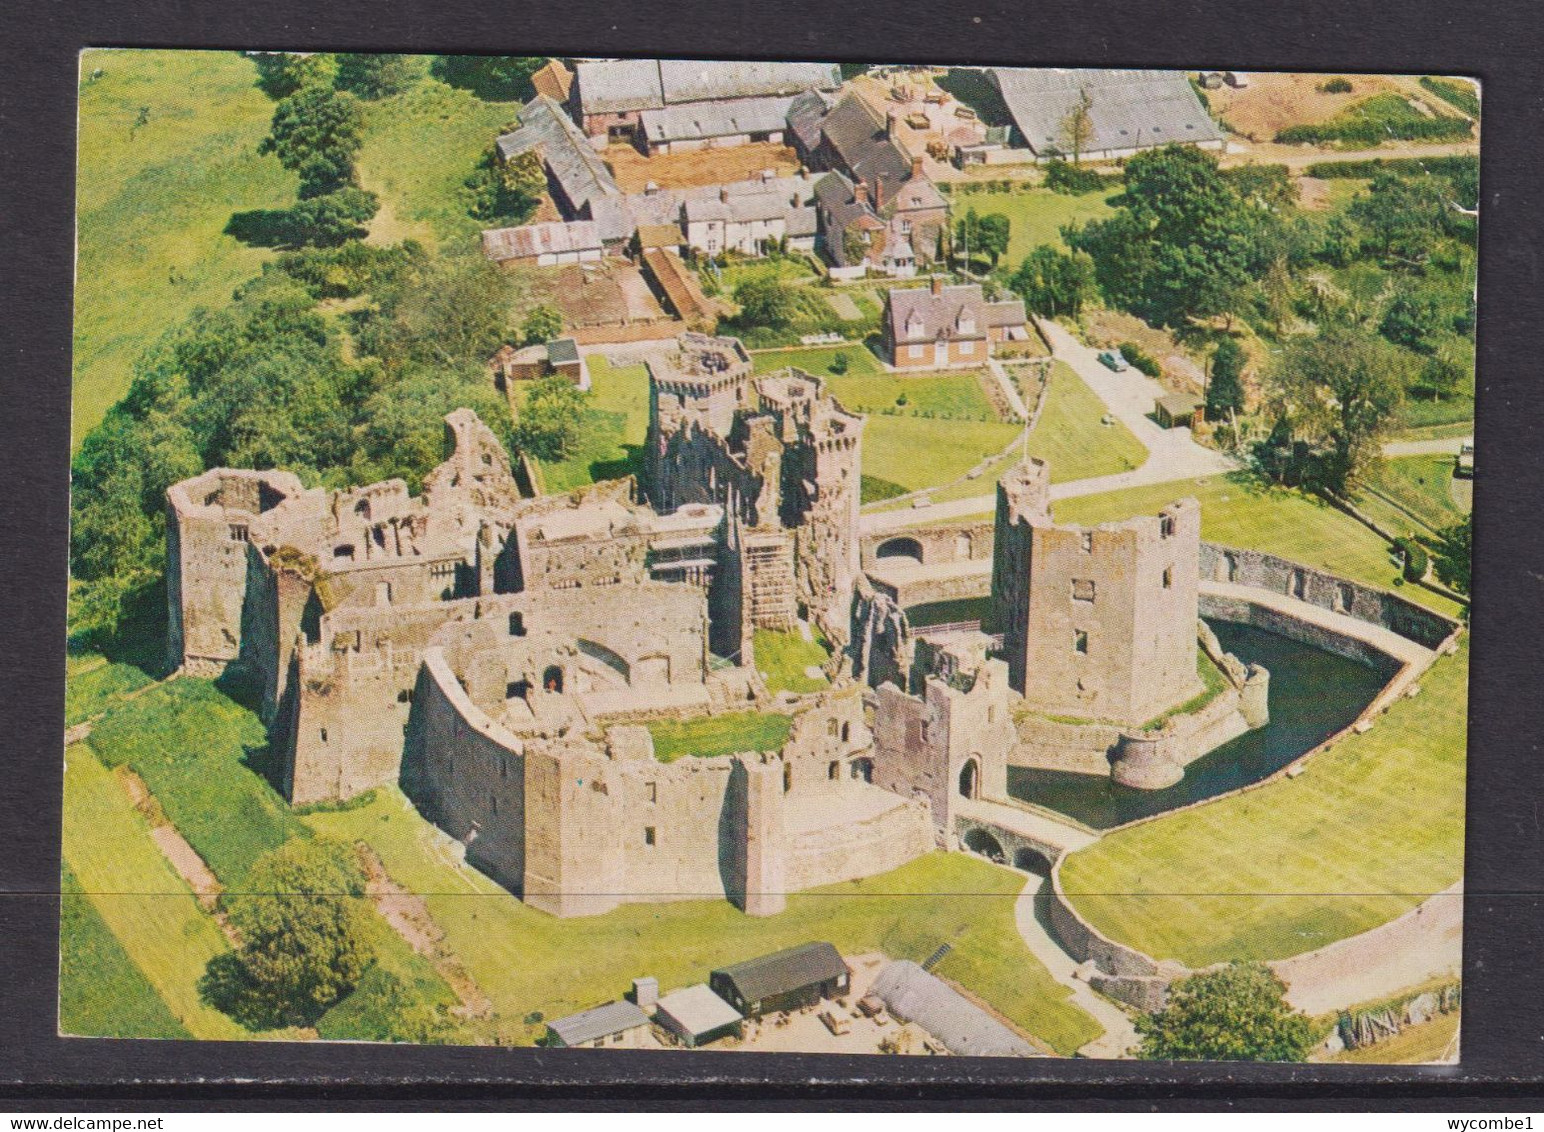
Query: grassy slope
pixel 1414 1045
pixel 711 735
pixel 611 441
pixel 90 688
pixel 1374 826
pixel 156 200
pixel 529 961
pixel 144 903
pixel 915 452
pixel 1239 512
pixel 1423 486
pixel 783 657
pixel 817 360
pixel 1069 434
pixel 1035 216
pixel 101 992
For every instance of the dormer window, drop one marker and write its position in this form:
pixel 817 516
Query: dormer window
pixel 966 323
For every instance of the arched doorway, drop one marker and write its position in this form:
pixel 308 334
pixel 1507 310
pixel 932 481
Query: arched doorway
pixel 970 779
pixel 552 679
pixel 1031 861
pixel 863 768
pixel 900 548
pixel 980 841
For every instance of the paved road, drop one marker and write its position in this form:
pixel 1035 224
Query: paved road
pixel 1120 1036
pixel 1172 453
pixel 1448 446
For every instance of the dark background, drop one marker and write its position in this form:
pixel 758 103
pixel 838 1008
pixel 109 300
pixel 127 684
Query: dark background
pixel 1500 42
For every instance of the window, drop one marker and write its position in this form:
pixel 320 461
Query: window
pixel 651 789
pixel 343 552
pixel 503 767
pixel 833 771
pixel 648 835
pixel 1166 525
pixel 1168 578
pixel 1088 542
pixel 1080 641
pixel 517 624
pixel 967 347
pixel 238 532
pixel 787 777
pixel 324 735
pixel 1083 589
pixel 493 800
pixel 915 351
pixel 405 696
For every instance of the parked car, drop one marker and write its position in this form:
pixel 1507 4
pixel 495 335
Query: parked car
pixel 1112 359
pixel 1465 464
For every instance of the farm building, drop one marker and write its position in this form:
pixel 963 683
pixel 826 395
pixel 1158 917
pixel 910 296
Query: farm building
pixel 742 216
pixel 708 103
pixel 679 286
pixel 1177 410
pixel 785 980
pixel 913 995
pixel 617 1024
pixel 1128 111
pixel 893 238
pixel 576 175
pixel 697 1016
pixel 560 356
pixel 573 241
pixel 554 80
pixel 936 326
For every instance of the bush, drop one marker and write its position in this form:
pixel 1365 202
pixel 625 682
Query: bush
pixel 1140 359
pixel 1375 120
pixel 1237 1013
pixel 1466 165
pixel 1458 95
pixel 839 364
pixel 1339 85
pixel 1061 177
pixel 1415 557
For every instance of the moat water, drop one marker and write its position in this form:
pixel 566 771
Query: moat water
pixel 1313 694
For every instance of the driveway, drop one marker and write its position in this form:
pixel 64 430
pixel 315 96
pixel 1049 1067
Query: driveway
pixel 1447 446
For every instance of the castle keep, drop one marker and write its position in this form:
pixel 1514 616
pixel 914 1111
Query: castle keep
pixel 500 654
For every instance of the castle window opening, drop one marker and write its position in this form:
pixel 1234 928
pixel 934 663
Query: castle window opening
pixel 517 690
pixel 648 835
pixel 362 509
pixel 1168 578
pixel 238 532
pixel 651 789
pixel 503 767
pixel 405 696
pixel 969 776
pixel 493 799
pixel 787 777
pixel 846 732
pixel 1345 595
pixel 863 769
pixel 1088 542
pixel 344 551
pixel 382 593
pixel 834 771
pixel 1080 641
pixel 1299 584
pixel 1083 590
pixel 1166 525
pixel 517 624
pixel 324 735
pixel 552 679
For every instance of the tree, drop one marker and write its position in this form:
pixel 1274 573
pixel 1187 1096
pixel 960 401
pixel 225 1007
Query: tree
pixel 1452 555
pixel 333 218
pixel 506 192
pixel 1450 368
pixel 1077 128
pixel 451 311
pixel 316 134
pixel 992 235
pixel 281 73
pixel 550 416
pixel 497 78
pixel 378 75
pixel 1337 391
pixel 1419 314
pixel 302 947
pixel 766 301
pixel 542 324
pixel 1225 388
pixel 1238 1013
pixel 1054 283
pixel 1404 217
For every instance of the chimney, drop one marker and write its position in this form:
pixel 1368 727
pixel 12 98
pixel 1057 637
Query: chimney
pixel 646 993
pixel 768 175
pixel 890 119
pixel 650 189
pixel 723 194
pixel 860 192
pixel 916 167
pixel 937 282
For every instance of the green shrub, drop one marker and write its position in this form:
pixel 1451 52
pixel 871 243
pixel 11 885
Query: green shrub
pixel 1140 359
pixel 1375 120
pixel 1415 557
pixel 1073 180
pixel 1338 85
pixel 1455 165
pixel 1458 95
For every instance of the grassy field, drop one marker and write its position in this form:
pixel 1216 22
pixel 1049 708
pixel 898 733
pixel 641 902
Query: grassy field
pixel 530 962
pixel 817 360
pixel 1414 1045
pixel 914 452
pixel 153 202
pixel 1374 826
pixel 1035 216
pixel 92 686
pixel 101 992
pixel 953 396
pixel 615 424
pixel 419 148
pixel 144 903
pixel 711 735
pixel 1421 488
pixel 782 658
pixel 1069 433
pixel 1239 511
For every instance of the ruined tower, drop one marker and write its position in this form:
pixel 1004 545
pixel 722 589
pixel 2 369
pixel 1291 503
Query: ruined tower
pixel 1097 623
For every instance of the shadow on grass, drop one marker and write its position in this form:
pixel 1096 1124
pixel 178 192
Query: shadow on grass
pixel 138 637
pixel 629 465
pixel 264 228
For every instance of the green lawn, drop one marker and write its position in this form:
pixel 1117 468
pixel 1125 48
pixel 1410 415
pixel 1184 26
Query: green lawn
pixel 612 435
pixel 1239 511
pixel 953 396
pixel 1035 215
pixel 710 735
pixel 419 148
pixel 1070 436
pixel 1425 414
pixel 915 452
pixel 782 658
pixel 817 360
pixel 101 992
pixel 153 202
pixel 1421 488
pixel 528 961
pixel 143 902
pixel 91 688
pixel 1374 826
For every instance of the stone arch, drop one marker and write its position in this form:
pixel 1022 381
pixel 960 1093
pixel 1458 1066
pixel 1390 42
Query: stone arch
pixel 963 546
pixel 970 778
pixel 651 671
pixel 902 546
pixel 597 651
pixel 863 768
pixel 980 841
pixel 1226 569
pixel 1032 860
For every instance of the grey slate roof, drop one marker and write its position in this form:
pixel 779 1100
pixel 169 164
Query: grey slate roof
pixel 792 969
pixel 913 995
pixel 601 1022
pixel 856 132
pixel 690 121
pixel 755 198
pixel 804 116
pixel 1127 108
pixel 566 152
pixel 624 85
pixel 563 351
pixel 938 315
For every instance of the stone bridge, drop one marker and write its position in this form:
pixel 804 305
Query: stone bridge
pixel 1013 835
